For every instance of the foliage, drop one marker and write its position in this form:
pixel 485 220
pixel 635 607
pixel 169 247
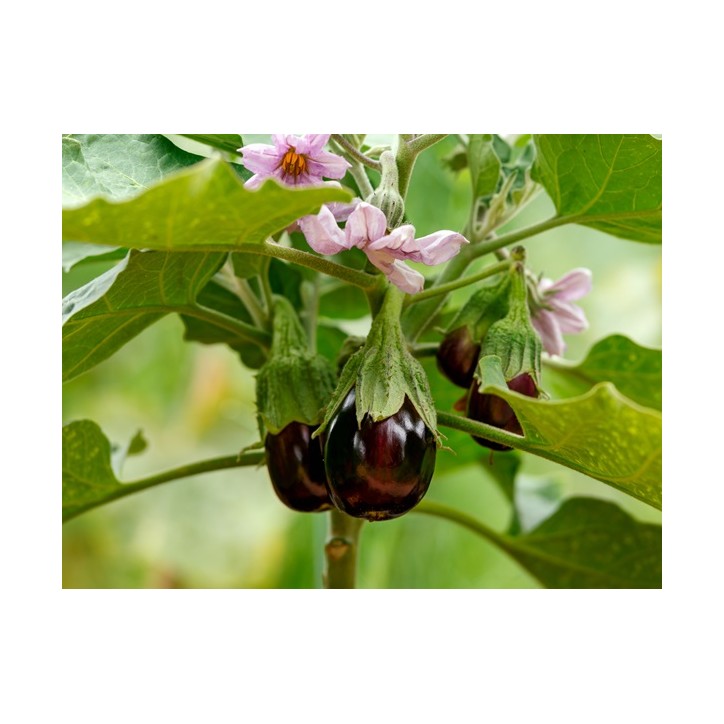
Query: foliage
pixel 178 234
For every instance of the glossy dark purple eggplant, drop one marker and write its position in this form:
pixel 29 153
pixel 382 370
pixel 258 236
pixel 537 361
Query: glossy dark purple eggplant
pixel 296 468
pixel 496 411
pixel 457 357
pixel 382 469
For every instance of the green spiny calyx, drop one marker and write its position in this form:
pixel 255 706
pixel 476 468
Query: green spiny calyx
pixel 294 385
pixel 513 338
pixel 384 373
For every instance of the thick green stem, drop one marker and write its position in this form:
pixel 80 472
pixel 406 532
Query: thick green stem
pixel 405 163
pixel 340 550
pixel 419 144
pixel 185 471
pixel 311 261
pixel 459 284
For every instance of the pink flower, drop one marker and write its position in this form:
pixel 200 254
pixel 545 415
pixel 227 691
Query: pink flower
pixel 367 230
pixel 292 160
pixel 557 316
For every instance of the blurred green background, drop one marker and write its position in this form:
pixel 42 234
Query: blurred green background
pixel 228 530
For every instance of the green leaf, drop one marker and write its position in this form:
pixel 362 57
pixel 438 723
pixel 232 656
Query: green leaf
pixel 88 476
pixel 117 166
pixel 601 434
pixel 609 182
pixel 103 315
pixel 229 142
pixel 76 252
pixel 634 370
pixel 204 208
pixel 589 543
pixel 484 165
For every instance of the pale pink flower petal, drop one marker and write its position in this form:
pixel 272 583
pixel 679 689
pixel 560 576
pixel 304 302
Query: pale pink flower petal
pixel 293 160
pixel 322 232
pixel 365 223
pixel 316 142
pixel 399 274
pixel 261 158
pixel 573 285
pixel 433 249
pixel 395 242
pixel 571 318
pixel 546 325
pixel 559 315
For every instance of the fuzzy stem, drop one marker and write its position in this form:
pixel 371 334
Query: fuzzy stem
pixel 185 471
pixel 354 153
pixel 242 330
pixel 340 550
pixel 419 144
pixel 311 261
pixel 452 286
pixel 361 179
pixel 243 290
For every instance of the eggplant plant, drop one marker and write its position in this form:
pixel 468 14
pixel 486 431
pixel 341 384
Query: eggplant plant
pixel 463 351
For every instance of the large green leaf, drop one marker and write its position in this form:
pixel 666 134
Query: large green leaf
pixel 634 370
pixel 204 208
pixel 601 434
pixel 610 182
pixel 117 166
pixel 589 543
pixel 88 476
pixel 103 315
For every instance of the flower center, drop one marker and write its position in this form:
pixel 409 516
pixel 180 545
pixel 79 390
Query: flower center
pixel 293 163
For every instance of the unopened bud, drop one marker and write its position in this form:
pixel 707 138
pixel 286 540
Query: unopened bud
pixel 386 196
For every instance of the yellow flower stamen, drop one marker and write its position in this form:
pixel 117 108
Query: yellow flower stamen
pixel 293 164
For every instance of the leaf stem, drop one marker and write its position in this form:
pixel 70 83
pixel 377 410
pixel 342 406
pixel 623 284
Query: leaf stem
pixel 459 284
pixel 340 550
pixel 428 507
pixel 355 153
pixel 244 331
pixel 480 429
pixel 486 247
pixel 253 457
pixel 311 261
pixel 243 290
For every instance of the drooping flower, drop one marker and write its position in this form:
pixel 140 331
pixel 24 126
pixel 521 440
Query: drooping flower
pixel 292 160
pixel 554 315
pixel 367 230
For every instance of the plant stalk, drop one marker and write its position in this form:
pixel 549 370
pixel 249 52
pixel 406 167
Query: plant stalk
pixel 340 550
pixel 311 261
